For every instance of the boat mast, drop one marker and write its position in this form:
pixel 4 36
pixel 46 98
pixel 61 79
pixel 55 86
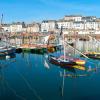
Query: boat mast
pixel 63 40
pixel 64 47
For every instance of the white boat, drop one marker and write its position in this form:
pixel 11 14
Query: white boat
pixel 6 50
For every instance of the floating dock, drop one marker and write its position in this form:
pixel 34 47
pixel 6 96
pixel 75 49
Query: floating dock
pixel 39 49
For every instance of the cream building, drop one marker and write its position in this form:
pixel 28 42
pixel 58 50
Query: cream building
pixel 35 27
pixel 16 27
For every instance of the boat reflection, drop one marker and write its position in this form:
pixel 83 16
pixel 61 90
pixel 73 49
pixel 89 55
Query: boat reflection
pixel 70 73
pixel 5 61
pixel 8 56
pixel 68 69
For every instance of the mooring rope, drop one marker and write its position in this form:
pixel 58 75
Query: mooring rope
pixel 7 84
pixel 14 91
pixel 29 86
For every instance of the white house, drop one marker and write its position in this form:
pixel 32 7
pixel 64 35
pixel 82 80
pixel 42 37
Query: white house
pixel 6 27
pixel 48 25
pixel 78 25
pixel 94 25
pixel 16 27
pixel 65 24
pixel 81 25
pixel 73 18
pixel 89 18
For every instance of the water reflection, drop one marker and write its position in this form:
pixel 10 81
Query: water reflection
pixel 36 82
pixel 6 57
pixel 27 76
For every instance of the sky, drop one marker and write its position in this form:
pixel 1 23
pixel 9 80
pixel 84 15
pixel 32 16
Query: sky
pixel 38 10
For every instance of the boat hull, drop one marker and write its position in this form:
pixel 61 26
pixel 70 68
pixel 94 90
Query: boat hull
pixel 93 56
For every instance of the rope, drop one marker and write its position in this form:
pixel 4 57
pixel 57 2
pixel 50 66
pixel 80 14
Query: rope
pixel 14 91
pixel 7 84
pixel 29 86
pixel 77 50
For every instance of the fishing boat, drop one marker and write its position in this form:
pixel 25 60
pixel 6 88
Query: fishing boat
pixel 93 55
pixel 67 62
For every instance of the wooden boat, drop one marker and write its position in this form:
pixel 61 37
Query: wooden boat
pixel 93 55
pixel 67 62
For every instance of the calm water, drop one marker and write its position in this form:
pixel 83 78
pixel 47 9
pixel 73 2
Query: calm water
pixel 26 77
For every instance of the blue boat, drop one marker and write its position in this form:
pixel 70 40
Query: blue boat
pixel 7 51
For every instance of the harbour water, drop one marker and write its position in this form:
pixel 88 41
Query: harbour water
pixel 27 76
